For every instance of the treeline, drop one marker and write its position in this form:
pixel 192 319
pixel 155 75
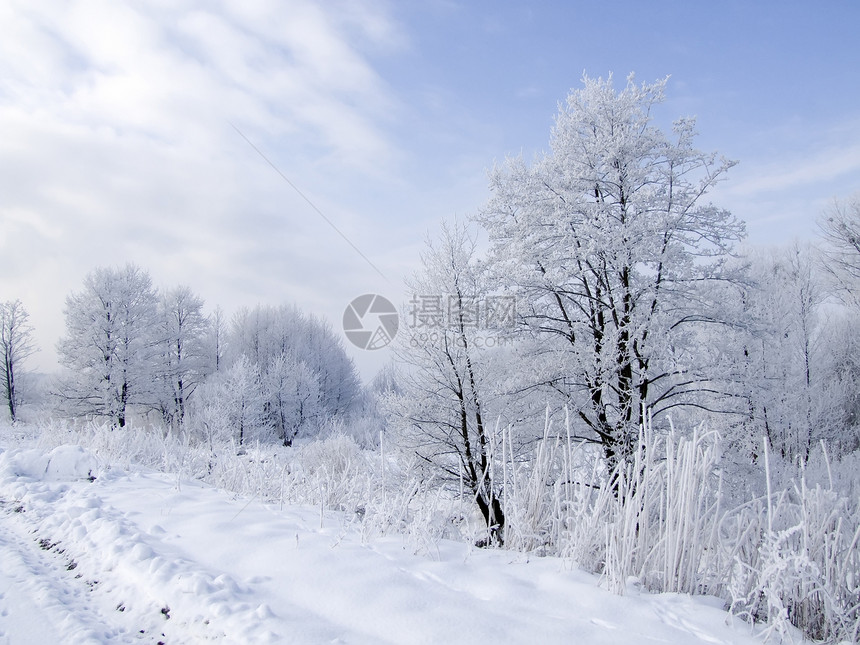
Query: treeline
pixel 130 349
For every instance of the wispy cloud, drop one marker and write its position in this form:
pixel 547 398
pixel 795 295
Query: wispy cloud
pixel 117 143
pixel 787 175
pixel 828 164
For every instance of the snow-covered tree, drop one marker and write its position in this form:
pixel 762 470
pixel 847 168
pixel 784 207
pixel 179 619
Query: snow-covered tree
pixel 838 366
pixel 242 392
pixel 840 359
pixel 16 345
pixel 291 395
pixel 781 350
pixel 609 246
pixel 443 405
pixel 840 229
pixel 230 406
pixel 216 341
pixel 183 350
pixel 322 351
pixel 111 344
pixel 264 333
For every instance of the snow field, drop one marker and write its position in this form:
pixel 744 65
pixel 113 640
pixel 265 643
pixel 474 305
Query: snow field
pixel 160 559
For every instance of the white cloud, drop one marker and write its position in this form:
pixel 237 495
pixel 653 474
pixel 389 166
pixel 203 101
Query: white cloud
pixel 118 144
pixel 804 168
pixel 788 174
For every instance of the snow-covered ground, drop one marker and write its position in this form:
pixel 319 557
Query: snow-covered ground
pixel 92 554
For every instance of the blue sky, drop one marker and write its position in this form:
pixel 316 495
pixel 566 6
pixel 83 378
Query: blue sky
pixel 118 141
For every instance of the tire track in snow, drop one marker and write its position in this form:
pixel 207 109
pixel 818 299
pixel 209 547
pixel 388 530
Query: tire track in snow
pixel 94 566
pixel 148 585
pixel 49 602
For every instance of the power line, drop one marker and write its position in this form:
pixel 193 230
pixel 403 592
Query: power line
pixel 310 203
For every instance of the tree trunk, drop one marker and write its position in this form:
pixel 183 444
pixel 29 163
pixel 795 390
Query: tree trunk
pixel 10 387
pixel 494 516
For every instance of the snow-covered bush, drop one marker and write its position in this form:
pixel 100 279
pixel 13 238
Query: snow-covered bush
pixel 796 557
pixel 334 473
pixel 666 513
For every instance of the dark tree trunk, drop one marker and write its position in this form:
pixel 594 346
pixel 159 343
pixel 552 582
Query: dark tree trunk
pixel 10 388
pixel 494 516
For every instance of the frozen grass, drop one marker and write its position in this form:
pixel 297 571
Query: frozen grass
pixel 796 561
pixel 381 494
pixel 789 558
pixel 654 520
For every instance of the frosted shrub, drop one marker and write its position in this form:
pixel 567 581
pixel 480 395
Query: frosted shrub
pixel 255 471
pixel 525 500
pixel 133 445
pixel 554 502
pixel 336 456
pixel 797 563
pixel 334 472
pixel 662 521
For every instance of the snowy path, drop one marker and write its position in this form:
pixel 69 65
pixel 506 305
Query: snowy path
pixel 147 558
pixel 40 591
